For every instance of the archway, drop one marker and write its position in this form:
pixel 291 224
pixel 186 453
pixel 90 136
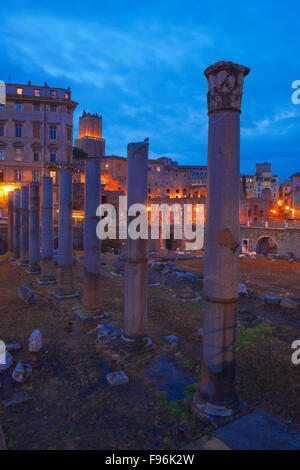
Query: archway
pixel 266 245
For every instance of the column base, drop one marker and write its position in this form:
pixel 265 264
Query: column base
pixel 64 295
pixel 218 415
pixel 134 346
pixel 46 280
pixel 33 271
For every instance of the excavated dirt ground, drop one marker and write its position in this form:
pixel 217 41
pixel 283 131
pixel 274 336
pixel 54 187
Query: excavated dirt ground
pixel 72 406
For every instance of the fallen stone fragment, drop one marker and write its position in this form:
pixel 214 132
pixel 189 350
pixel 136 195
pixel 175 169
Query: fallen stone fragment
pixel 242 289
pixel 117 378
pixel 271 300
pixel 3 445
pixel 35 341
pixel 171 339
pixel 288 304
pixel 291 260
pixel 13 347
pixel 16 400
pixel 21 372
pixel 27 295
pixel 94 330
pixel 6 361
pixel 102 335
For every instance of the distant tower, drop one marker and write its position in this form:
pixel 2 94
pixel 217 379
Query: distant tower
pixel 90 135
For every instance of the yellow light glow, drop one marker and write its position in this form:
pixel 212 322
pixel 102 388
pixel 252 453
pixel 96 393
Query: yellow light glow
pixel 280 203
pixel 148 208
pixel 287 208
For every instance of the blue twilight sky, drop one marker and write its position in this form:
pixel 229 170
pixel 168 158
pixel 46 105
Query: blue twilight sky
pixel 140 65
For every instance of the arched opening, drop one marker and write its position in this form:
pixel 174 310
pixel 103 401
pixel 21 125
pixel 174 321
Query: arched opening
pixel 266 245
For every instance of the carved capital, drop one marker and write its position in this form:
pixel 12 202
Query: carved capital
pixel 225 86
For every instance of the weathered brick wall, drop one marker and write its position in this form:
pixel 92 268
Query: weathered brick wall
pixel 287 240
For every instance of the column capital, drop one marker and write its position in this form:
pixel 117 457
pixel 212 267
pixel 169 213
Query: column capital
pixel 225 86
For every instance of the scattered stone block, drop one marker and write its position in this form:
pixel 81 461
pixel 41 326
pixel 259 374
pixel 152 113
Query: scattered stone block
pixel 271 300
pixel 291 260
pixel 16 400
pixel 171 339
pixel 6 361
pixel 21 372
pixel 242 289
pixel 103 335
pixel 288 304
pixel 117 378
pixel 35 341
pixel 94 330
pixel 27 295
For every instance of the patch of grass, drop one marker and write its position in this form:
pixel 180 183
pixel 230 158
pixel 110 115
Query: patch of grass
pixel 251 337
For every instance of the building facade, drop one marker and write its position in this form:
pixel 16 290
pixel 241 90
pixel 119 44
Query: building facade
pixel 36 134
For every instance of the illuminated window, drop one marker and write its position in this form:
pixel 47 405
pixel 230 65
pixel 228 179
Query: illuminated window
pixel 18 175
pixel 37 92
pixel 19 91
pixel 67 96
pixel 52 157
pixel 158 168
pixel 106 165
pixel 53 132
pixel 18 155
pixel 19 106
pixel 53 176
pixel 18 130
pixel 158 190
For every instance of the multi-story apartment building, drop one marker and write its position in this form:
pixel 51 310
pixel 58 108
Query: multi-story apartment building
pixel 36 134
pixel 295 195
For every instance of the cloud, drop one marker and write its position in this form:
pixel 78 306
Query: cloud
pixel 271 125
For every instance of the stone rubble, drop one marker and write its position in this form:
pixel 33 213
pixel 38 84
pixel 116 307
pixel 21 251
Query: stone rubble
pixel 35 341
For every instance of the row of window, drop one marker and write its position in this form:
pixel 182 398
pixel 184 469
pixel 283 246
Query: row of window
pixel 37 92
pixel 37 107
pixel 19 154
pixel 36 131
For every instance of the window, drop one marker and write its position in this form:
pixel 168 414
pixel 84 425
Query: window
pixel 37 92
pixel 53 93
pixel 67 96
pixel 18 175
pixel 35 175
pixel 69 133
pixel 36 156
pixel 53 176
pixel 2 154
pixel 53 108
pixel 36 107
pixel 19 106
pixel 18 155
pixel 53 132
pixel 1 129
pixel 158 168
pixel 18 130
pixel 19 91
pixel 36 131
pixel 52 157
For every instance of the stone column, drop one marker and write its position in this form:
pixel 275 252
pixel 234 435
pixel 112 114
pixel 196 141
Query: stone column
pixel 135 333
pixel 48 276
pixel 91 301
pixel 11 221
pixel 216 398
pixel 24 237
pixel 65 238
pixel 16 231
pixel 34 228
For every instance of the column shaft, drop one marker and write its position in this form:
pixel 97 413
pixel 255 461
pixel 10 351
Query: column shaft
pixel 24 237
pixel 11 221
pixel 136 265
pixel 16 230
pixel 48 276
pixel 91 301
pixel 34 227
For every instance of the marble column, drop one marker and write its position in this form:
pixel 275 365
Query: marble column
pixel 216 398
pixel 65 239
pixel 34 229
pixel 91 300
pixel 24 234
pixel 135 333
pixel 47 262
pixel 16 230
pixel 11 221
